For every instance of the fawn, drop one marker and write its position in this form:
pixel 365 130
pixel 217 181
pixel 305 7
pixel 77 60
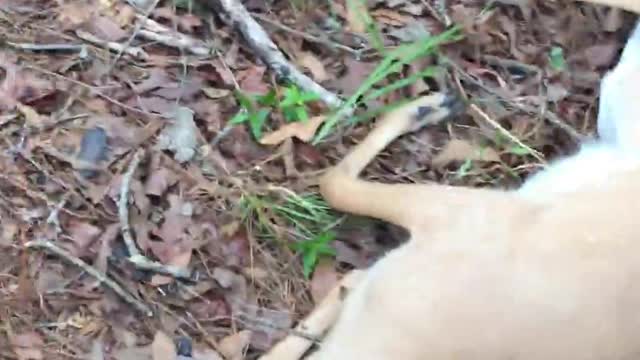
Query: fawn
pixel 548 271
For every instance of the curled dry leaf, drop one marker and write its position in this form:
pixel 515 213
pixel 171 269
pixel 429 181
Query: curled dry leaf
pixel 315 66
pixel 216 93
pixel 233 346
pixel 301 130
pixel 462 150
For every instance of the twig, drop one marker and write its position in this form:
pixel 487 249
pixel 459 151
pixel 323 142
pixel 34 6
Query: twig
pixel 93 90
pixel 308 37
pixel 548 115
pixel 506 133
pixel 154 31
pixel 79 48
pixel 126 45
pixel 259 41
pixel 101 277
pixel 138 260
pixel 133 51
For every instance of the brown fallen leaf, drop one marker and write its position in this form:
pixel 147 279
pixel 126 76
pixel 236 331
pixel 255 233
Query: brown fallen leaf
pixel 107 29
pixel 233 346
pixel 315 66
pixel 462 150
pixel 31 116
pixel 216 93
pixel 391 17
pixel 301 130
pixel 27 346
pixel 162 347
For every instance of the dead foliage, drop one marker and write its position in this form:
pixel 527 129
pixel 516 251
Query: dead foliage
pixel 72 118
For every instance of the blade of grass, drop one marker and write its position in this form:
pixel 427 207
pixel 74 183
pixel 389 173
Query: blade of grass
pixel 393 62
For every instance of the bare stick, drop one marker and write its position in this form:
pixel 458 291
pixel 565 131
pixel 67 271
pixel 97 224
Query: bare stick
pixel 474 108
pixel 154 31
pixel 101 277
pixel 312 38
pixel 133 51
pixel 48 47
pixel 133 35
pixel 138 260
pixel 258 40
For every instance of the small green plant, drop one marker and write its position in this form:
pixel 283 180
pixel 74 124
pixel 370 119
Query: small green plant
pixel 312 250
pixel 256 109
pixel 392 63
pixel 294 103
pixel 308 215
pixel 556 58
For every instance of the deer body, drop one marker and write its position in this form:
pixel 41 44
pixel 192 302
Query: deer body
pixel 549 271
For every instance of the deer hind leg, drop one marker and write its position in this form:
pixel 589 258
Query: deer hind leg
pixel 344 191
pixel 293 347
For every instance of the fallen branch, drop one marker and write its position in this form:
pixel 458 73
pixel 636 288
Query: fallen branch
pixel 79 48
pixel 138 260
pixel 133 51
pixel 154 31
pixel 101 277
pixel 258 40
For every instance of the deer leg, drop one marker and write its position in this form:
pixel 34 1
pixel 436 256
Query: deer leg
pixel 293 347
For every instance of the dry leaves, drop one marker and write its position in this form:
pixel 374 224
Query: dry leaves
pixel 181 137
pixel 462 150
pixel 315 66
pixel 304 131
pixel 233 346
pixel 27 346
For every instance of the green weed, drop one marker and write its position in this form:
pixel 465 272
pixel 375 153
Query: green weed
pixel 308 215
pixel 392 63
pixel 256 109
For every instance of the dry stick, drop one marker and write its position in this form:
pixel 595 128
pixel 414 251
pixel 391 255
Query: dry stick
pixel 138 260
pixel 548 115
pixel 258 40
pixel 148 12
pixel 119 290
pixel 312 38
pixel 48 47
pixel 93 90
pixel 505 132
pixel 133 51
pixel 154 31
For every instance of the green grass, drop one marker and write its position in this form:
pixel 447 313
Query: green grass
pixel 255 109
pixel 308 216
pixel 392 63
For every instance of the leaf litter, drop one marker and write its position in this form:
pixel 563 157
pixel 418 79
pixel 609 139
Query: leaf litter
pixel 70 124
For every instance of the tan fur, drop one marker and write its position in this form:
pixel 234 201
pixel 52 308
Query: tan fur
pixel 546 272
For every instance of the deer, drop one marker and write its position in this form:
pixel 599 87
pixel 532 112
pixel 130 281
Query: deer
pixel 550 270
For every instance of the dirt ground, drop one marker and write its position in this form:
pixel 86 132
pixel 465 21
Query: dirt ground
pixel 96 164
